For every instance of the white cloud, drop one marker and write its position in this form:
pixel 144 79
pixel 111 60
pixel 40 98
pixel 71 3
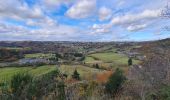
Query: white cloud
pixel 104 13
pixel 55 32
pixel 39 21
pixel 100 29
pixel 47 27
pixel 18 10
pixel 135 22
pixel 82 9
pixel 132 18
pixel 45 22
pixel 136 27
pixel 55 3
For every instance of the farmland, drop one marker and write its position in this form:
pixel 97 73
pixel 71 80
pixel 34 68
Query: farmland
pixel 39 55
pixel 95 63
pixel 107 59
pixel 84 71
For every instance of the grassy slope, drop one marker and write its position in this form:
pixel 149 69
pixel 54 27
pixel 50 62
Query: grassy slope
pixel 7 73
pixel 89 59
pixel 39 55
pixel 112 57
pixel 109 57
pixel 85 72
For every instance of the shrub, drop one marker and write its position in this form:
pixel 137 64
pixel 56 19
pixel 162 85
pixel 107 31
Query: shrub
pixel 53 59
pixel 115 81
pixel 130 61
pixel 25 87
pixel 61 91
pixel 43 85
pixel 82 58
pixel 78 55
pixel 164 93
pixel 19 81
pixel 76 75
pixel 96 66
pixel 57 55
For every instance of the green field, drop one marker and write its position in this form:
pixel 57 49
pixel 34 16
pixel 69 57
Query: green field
pixel 89 59
pixel 84 71
pixel 7 73
pixel 40 55
pixel 109 57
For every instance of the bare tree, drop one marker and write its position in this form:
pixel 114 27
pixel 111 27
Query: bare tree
pixel 165 13
pixel 150 76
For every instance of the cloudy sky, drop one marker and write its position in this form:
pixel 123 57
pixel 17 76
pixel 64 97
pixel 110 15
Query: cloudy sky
pixel 83 20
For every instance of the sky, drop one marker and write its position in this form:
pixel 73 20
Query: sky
pixel 84 20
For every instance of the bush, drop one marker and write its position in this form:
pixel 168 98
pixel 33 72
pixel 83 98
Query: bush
pixel 78 55
pixel 82 58
pixel 76 75
pixel 61 91
pixel 25 87
pixel 115 81
pixel 130 61
pixel 57 55
pixel 164 93
pixel 96 66
pixel 19 81
pixel 43 85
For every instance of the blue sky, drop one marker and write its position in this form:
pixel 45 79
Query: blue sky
pixel 83 20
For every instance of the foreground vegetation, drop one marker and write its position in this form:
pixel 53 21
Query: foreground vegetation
pixel 51 86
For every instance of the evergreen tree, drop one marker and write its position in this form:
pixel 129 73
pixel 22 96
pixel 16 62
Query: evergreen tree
pixel 130 62
pixel 76 75
pixel 115 81
pixel 97 66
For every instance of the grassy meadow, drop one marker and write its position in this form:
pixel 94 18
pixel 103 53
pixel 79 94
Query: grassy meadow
pixel 84 71
pixel 8 72
pixel 109 57
pixel 40 55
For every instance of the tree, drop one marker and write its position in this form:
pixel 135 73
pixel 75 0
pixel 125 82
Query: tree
pixel 115 81
pixel 164 93
pixel 76 75
pixel 165 13
pixel 130 61
pixel 19 81
pixel 61 90
pixel 57 55
pixel 97 66
pixel 151 75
